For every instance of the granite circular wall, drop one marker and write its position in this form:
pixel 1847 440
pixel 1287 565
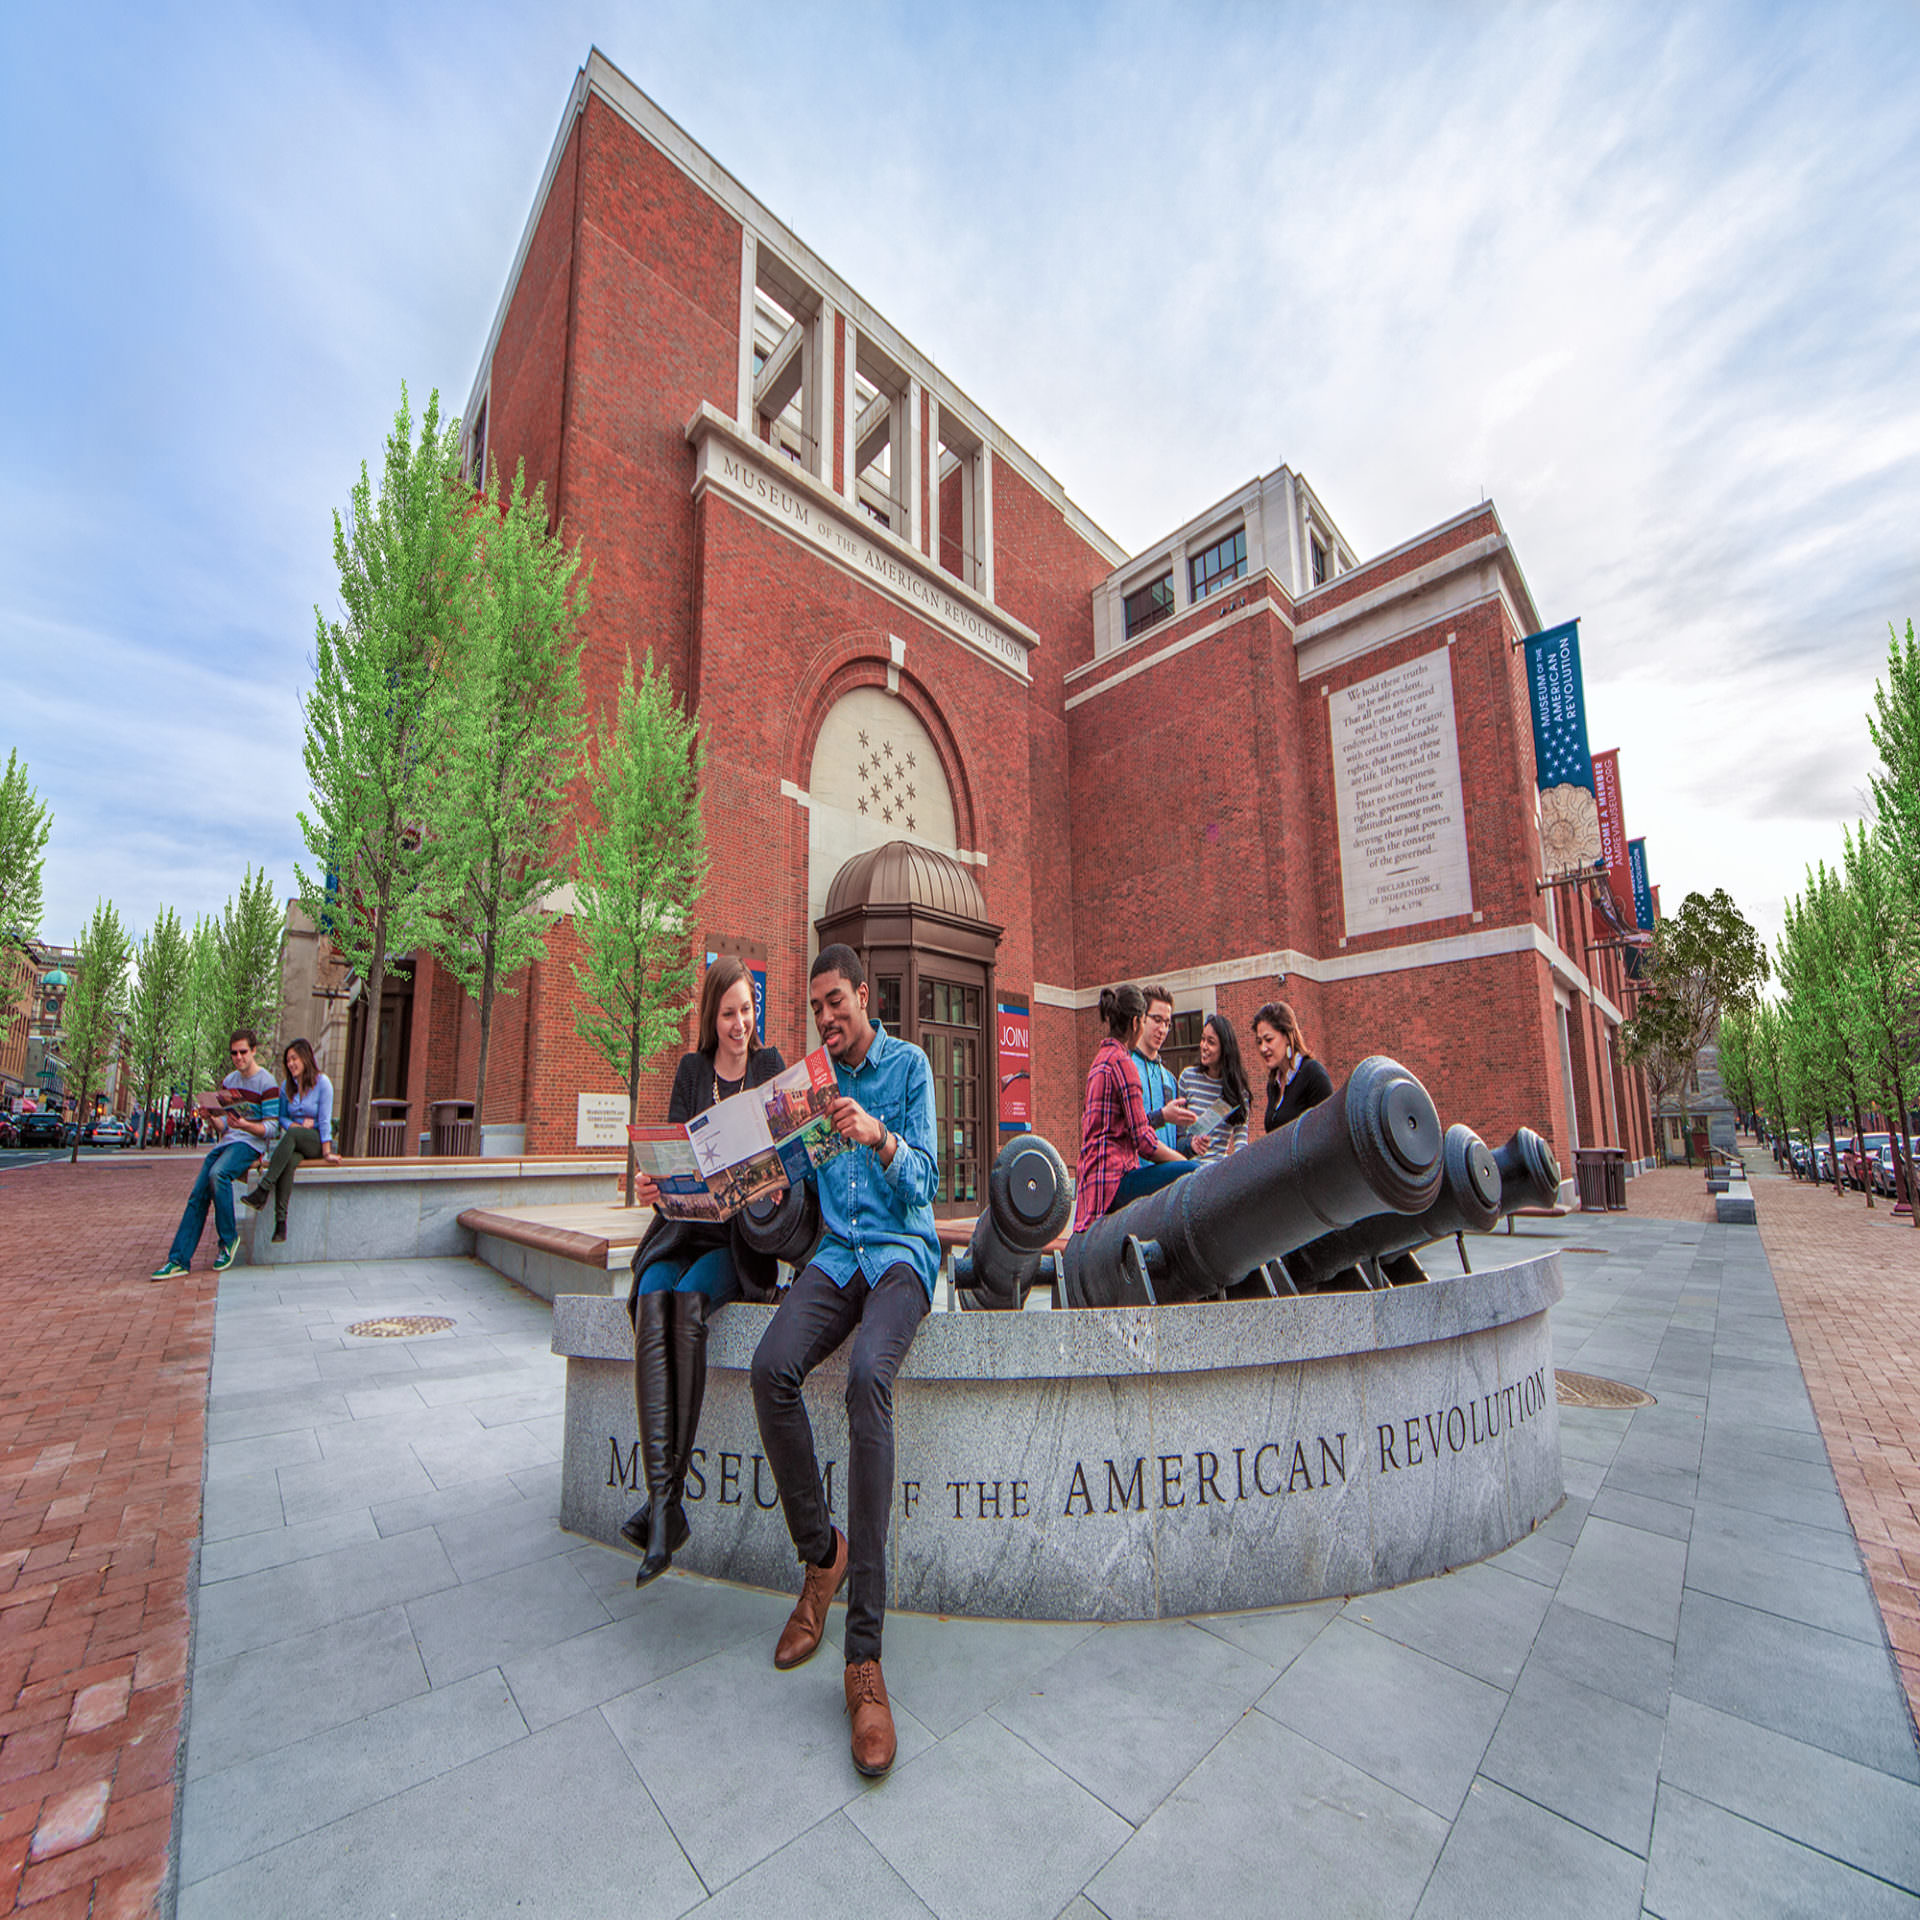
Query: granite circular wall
pixel 1131 1463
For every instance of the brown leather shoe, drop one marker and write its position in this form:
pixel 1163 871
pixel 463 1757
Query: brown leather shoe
pixel 867 1708
pixel 800 1637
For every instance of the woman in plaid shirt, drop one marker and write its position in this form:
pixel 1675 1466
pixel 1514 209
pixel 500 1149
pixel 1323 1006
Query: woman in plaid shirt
pixel 1114 1136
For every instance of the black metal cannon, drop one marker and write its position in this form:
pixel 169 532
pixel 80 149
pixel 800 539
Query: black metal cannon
pixel 1479 1189
pixel 1375 1144
pixel 785 1227
pixel 1029 1199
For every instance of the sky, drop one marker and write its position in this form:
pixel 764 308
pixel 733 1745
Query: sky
pixel 1646 277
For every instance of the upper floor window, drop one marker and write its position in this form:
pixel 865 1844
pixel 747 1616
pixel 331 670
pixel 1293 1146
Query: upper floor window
pixel 1147 606
pixel 1319 563
pixel 1223 561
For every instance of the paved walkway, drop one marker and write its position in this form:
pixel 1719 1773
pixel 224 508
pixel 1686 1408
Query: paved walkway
pixel 102 1405
pixel 411 1693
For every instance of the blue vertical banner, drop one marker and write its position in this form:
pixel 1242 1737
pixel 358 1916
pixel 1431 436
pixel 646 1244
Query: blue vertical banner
pixel 1642 893
pixel 1563 765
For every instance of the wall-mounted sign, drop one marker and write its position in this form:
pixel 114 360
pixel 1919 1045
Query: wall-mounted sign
pixel 1016 1064
pixel 602 1120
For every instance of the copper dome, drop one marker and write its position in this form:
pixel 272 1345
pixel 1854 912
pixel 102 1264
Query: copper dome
pixel 900 874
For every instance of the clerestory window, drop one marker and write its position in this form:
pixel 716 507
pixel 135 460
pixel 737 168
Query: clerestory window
pixel 1223 561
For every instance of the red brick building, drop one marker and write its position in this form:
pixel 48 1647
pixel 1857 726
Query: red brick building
pixel 896 627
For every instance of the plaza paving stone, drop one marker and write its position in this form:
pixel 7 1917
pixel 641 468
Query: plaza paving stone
pixel 412 1693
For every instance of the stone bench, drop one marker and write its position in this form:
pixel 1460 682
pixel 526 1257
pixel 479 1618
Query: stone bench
pixel 1735 1210
pixel 1129 1463
pixel 410 1209
pixel 544 1258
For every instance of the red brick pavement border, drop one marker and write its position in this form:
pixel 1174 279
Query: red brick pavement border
pixel 102 1430
pixel 1849 1280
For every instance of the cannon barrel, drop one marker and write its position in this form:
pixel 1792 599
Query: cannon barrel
pixel 1480 1189
pixel 1375 1144
pixel 1029 1199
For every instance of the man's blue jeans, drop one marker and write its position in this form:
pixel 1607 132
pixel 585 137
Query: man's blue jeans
pixel 231 1160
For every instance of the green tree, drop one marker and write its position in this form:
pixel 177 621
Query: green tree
pixel 247 940
pixel 24 826
pixel 1882 970
pixel 1813 945
pixel 404 561
pixel 157 1011
pixel 506 725
pixel 640 872
pixel 1736 1056
pixel 1703 959
pixel 96 1004
pixel 1770 1066
pixel 1894 724
pixel 203 1053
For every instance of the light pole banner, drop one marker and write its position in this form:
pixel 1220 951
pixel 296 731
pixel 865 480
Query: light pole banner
pixel 1613 830
pixel 1642 894
pixel 1563 766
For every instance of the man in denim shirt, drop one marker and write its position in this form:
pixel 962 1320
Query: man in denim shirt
pixel 871 1279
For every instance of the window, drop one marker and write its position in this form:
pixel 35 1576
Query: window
pixel 1223 561
pixel 1181 1048
pixel 1147 606
pixel 890 1003
pixel 1319 563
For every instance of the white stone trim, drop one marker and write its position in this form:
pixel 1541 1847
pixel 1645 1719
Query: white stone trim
pixel 1486 943
pixel 799 795
pixel 601 76
pixel 809 512
pixel 1167 652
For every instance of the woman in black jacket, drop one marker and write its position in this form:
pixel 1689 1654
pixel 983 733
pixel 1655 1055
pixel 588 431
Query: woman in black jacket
pixel 1295 1079
pixel 685 1271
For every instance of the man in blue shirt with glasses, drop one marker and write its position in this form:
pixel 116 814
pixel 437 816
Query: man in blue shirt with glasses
pixel 870 1280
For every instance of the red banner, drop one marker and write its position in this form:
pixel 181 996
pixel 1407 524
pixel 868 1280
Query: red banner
pixel 1016 1066
pixel 1613 829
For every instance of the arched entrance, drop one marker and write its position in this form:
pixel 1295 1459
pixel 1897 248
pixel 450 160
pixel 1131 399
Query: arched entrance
pixel 919 923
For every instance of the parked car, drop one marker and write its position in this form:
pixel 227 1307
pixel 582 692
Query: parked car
pixel 43 1130
pixel 107 1131
pixel 9 1132
pixel 1884 1179
pixel 1857 1158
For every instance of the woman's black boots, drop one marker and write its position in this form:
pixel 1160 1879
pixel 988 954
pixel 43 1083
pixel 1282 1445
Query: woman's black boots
pixel 687 1331
pixel 654 1403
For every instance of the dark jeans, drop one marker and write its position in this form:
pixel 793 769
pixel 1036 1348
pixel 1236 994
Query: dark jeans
pixel 710 1273
pixel 1148 1176
pixel 813 1320
pixel 296 1144
pixel 231 1160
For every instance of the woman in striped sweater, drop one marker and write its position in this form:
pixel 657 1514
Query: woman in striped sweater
pixel 1219 1077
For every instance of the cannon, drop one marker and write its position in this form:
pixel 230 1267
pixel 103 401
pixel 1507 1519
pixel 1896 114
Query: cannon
pixel 785 1227
pixel 1479 1189
pixel 1029 1199
pixel 1375 1144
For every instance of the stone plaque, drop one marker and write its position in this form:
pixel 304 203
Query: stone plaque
pixel 602 1120
pixel 1396 783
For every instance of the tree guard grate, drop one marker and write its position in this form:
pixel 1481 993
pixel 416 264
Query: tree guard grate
pixel 400 1326
pixel 1590 1390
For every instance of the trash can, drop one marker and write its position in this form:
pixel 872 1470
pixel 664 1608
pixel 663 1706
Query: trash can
pixel 452 1125
pixel 1590 1177
pixel 387 1136
pixel 1616 1179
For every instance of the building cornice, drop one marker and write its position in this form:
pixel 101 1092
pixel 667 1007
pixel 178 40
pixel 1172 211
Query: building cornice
pixel 787 498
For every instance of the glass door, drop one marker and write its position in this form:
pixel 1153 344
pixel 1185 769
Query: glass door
pixel 949 1033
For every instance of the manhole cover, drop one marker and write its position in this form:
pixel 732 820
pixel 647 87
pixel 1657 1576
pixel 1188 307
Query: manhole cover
pixel 400 1326
pixel 1589 1390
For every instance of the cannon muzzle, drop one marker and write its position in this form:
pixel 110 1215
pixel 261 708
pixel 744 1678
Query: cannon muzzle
pixel 1480 1189
pixel 786 1228
pixel 1029 1199
pixel 1376 1144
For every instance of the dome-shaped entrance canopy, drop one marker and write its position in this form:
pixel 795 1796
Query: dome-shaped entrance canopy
pixel 900 876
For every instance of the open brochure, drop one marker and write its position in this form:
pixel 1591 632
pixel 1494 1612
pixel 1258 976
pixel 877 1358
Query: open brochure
pixel 243 1103
pixel 1216 1118
pixel 760 1138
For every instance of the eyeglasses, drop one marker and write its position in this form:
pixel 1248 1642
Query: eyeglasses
pixel 234 1053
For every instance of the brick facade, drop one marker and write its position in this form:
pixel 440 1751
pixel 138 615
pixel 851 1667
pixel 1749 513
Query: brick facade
pixel 1164 809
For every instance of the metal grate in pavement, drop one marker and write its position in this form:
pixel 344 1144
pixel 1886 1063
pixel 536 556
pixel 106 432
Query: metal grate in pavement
pixel 1590 1390
pixel 401 1326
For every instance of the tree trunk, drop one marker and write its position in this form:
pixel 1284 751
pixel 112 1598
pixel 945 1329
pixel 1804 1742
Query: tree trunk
pixel 486 1037
pixel 370 1033
pixel 1860 1134
pixel 633 1097
pixel 1906 1141
pixel 1833 1148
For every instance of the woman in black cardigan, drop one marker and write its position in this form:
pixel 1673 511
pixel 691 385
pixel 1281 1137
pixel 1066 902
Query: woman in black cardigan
pixel 1295 1079
pixel 684 1271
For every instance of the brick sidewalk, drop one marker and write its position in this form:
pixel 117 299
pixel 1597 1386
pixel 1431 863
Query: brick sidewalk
pixel 102 1420
pixel 1850 1283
